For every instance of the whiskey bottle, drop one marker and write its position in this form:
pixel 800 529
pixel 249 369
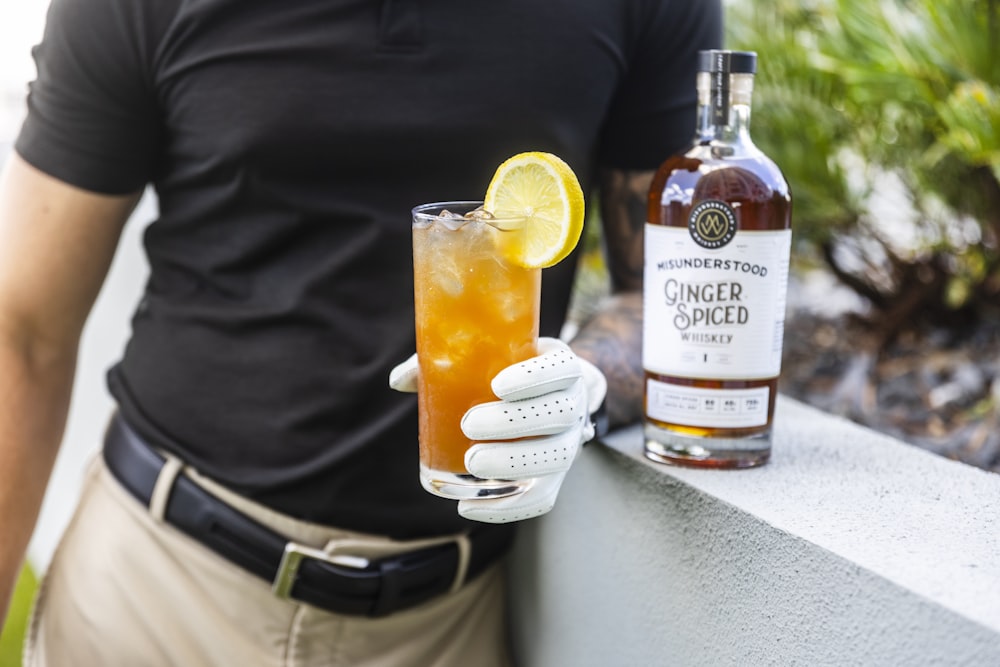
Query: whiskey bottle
pixel 717 246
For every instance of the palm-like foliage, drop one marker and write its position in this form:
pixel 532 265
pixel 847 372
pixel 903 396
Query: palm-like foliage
pixel 852 92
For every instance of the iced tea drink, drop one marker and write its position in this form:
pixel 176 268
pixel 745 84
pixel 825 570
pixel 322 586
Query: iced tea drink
pixel 476 314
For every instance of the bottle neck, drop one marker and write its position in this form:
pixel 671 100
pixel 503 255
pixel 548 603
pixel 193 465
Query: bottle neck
pixel 724 110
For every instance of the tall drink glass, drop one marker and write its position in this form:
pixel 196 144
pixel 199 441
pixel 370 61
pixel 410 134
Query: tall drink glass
pixel 476 313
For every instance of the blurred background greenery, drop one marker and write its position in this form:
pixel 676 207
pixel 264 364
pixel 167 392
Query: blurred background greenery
pixel 885 118
pixel 12 637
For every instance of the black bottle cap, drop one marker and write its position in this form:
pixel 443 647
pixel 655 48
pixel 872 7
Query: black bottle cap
pixel 733 62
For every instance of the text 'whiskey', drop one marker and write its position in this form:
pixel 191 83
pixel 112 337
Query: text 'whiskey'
pixel 717 250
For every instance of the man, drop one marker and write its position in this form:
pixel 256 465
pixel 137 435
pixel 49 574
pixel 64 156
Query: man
pixel 287 142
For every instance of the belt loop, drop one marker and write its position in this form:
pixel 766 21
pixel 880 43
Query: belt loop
pixel 161 490
pixel 464 550
pixel 388 592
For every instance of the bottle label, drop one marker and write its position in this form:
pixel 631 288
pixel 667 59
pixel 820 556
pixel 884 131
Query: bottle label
pixel 696 406
pixel 712 224
pixel 714 312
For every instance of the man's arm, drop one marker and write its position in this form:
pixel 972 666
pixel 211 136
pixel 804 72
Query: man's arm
pixel 56 244
pixel 612 338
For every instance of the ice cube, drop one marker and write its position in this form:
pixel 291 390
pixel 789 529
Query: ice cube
pixel 451 220
pixel 448 279
pixel 479 213
pixel 478 243
pixel 460 343
pixel 512 306
pixel 499 280
pixel 443 363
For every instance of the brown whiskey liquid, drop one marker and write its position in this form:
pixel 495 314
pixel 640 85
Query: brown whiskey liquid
pixel 758 194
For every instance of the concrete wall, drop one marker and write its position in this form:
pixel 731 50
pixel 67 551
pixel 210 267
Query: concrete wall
pixel 849 548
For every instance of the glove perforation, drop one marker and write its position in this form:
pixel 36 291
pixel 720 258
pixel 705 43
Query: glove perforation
pixel 510 419
pixel 554 453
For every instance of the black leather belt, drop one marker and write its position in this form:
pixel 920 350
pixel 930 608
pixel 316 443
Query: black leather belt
pixel 336 582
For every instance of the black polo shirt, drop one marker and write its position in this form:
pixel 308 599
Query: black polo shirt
pixel 287 141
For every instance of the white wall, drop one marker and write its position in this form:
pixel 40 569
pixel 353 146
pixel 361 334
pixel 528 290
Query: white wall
pixel 21 23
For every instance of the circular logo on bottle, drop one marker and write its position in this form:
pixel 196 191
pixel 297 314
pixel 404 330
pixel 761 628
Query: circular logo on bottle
pixel 712 224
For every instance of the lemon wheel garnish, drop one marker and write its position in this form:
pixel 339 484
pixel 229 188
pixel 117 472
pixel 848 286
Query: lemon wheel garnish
pixel 543 190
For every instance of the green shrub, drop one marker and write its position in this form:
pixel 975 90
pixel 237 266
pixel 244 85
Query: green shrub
pixel 885 117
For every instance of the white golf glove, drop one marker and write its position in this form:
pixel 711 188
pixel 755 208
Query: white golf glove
pixel 547 399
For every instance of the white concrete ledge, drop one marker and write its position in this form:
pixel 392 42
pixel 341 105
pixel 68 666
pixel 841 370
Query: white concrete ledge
pixel 849 548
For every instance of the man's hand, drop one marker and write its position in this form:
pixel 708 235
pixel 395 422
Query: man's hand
pixel 533 432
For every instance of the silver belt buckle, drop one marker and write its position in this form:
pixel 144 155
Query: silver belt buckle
pixel 291 560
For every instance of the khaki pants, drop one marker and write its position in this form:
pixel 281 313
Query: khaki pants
pixel 124 589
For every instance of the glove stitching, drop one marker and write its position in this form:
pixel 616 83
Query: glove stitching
pixel 528 512
pixel 564 382
pixel 525 431
pixel 564 396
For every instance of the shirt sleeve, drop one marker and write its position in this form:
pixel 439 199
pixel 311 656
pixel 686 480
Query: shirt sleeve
pixel 653 115
pixel 92 116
